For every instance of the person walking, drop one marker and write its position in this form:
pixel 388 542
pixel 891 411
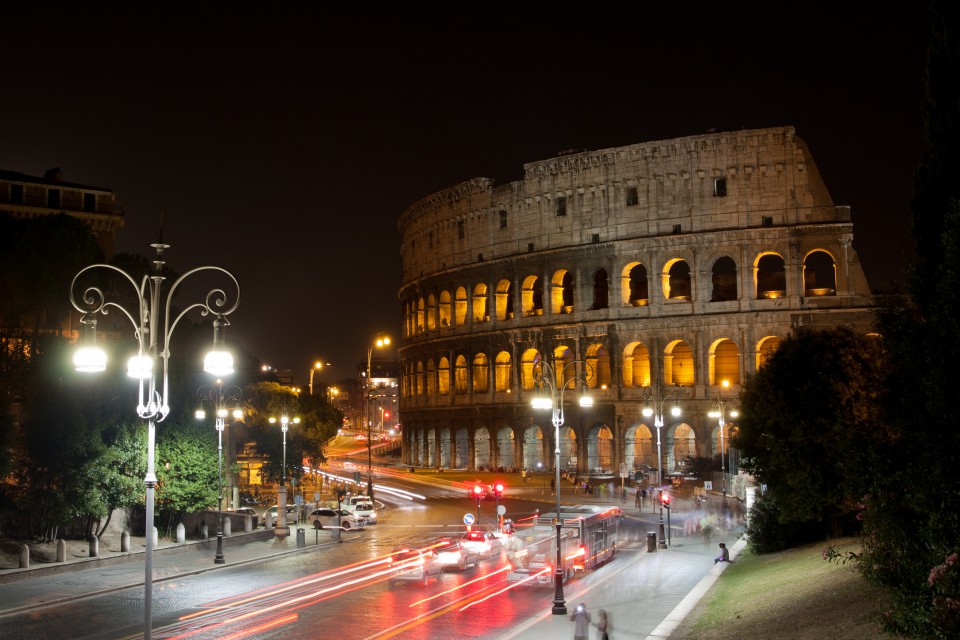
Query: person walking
pixel 603 625
pixel 581 618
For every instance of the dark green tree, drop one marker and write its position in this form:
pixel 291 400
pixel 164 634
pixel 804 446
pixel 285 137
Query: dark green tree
pixel 808 426
pixel 186 464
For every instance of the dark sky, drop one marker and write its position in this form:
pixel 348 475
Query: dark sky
pixel 284 146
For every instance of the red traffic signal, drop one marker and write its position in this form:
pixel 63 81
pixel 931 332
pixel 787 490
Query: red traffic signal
pixel 477 493
pixel 498 490
pixel 665 499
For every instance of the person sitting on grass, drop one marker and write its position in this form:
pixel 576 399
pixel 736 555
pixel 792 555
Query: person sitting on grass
pixel 724 554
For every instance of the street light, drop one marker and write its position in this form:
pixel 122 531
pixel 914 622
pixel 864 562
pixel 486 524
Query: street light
pixel 152 332
pixel 282 530
pixel 316 367
pixel 550 384
pixel 655 398
pixel 379 343
pixel 219 397
pixel 719 414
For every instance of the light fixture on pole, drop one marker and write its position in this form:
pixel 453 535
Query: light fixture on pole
pixel 551 382
pixel 219 397
pixel 655 398
pixel 153 326
pixel 282 530
pixel 316 367
pixel 381 342
pixel 720 414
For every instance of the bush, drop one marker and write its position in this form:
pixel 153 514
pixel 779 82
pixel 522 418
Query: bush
pixel 766 533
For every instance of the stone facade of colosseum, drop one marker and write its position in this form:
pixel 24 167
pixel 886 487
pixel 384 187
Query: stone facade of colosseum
pixel 654 274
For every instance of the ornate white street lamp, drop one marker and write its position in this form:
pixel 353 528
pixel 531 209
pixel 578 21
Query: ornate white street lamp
pixel 381 342
pixel 153 326
pixel 219 397
pixel 720 414
pixel 656 397
pixel 551 382
pixel 282 530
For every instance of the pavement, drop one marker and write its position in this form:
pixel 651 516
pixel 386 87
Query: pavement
pixel 646 594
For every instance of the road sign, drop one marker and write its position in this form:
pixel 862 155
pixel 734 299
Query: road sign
pixel 501 510
pixel 469 518
pixel 623 469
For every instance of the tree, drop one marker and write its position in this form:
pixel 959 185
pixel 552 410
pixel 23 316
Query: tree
pixel 187 480
pixel 808 426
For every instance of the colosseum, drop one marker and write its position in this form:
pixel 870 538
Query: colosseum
pixel 651 276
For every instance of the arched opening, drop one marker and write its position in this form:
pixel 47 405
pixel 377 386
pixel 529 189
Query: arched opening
pixel 502 373
pixel 678 364
pixel 562 292
pixel 724 362
pixel 532 447
pixel 481 373
pixel 766 348
pixel 480 313
pixel 431 312
pixel 421 310
pixel 531 296
pixel 684 447
pixel 599 360
pixel 482 451
pixel 419 378
pixel 530 359
pixel 505 449
pixel 770 276
pixel 431 379
pixel 504 300
pixel 634 285
pixel 819 274
pixel 600 450
pixel 460 307
pixel 724 280
pixel 461 459
pixel 460 375
pixel 600 290
pixel 443 377
pixel 676 280
pixel 636 365
pixel 445 309
pixel 640 448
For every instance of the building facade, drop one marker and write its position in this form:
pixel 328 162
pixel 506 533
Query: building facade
pixel 654 269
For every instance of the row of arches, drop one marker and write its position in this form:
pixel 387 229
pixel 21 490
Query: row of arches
pixel 445 374
pixel 596 450
pixel 535 295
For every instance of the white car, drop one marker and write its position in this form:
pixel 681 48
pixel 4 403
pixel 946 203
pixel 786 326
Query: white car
pixel 362 508
pixel 332 518
pixel 486 544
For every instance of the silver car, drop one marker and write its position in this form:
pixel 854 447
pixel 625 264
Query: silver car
pixel 415 565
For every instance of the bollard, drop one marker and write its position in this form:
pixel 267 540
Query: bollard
pixel 204 532
pixel 301 538
pixel 268 520
pixel 651 541
pixel 61 550
pixel 227 526
pixel 94 543
pixel 181 533
pixel 24 556
pixel 125 541
pixel 156 537
pixel 248 523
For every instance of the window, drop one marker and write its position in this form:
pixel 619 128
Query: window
pixel 632 198
pixel 719 187
pixel 53 198
pixel 460 229
pixel 89 202
pixel 503 219
pixel 16 194
pixel 562 206
pixel 767 221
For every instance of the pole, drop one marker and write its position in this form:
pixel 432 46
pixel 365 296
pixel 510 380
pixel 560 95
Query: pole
pixel 218 558
pixel 151 482
pixel 559 602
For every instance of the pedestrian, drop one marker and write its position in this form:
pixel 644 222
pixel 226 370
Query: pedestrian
pixel 637 499
pixel 580 615
pixel 724 554
pixel 603 625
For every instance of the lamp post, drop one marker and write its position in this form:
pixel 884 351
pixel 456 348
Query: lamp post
pixel 316 367
pixel 551 383
pixel 379 343
pixel 282 530
pixel 219 397
pixel 655 398
pixel 153 327
pixel 719 413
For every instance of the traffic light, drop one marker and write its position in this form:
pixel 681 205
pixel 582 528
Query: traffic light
pixel 665 499
pixel 477 493
pixel 341 494
pixel 498 490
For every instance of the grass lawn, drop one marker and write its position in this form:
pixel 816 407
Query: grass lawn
pixel 792 594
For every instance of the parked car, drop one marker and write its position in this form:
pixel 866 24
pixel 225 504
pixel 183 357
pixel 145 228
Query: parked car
pixel 454 554
pixel 331 518
pixel 272 513
pixel 362 508
pixel 486 544
pixel 244 511
pixel 416 565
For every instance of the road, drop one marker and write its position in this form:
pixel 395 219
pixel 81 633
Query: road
pixel 337 588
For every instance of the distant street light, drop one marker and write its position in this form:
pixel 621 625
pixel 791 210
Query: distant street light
pixel 219 398
pixel 152 327
pixel 719 414
pixel 379 343
pixel 550 384
pixel 282 530
pixel 656 397
pixel 316 367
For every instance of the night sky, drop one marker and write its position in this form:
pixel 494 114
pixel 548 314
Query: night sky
pixel 284 146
